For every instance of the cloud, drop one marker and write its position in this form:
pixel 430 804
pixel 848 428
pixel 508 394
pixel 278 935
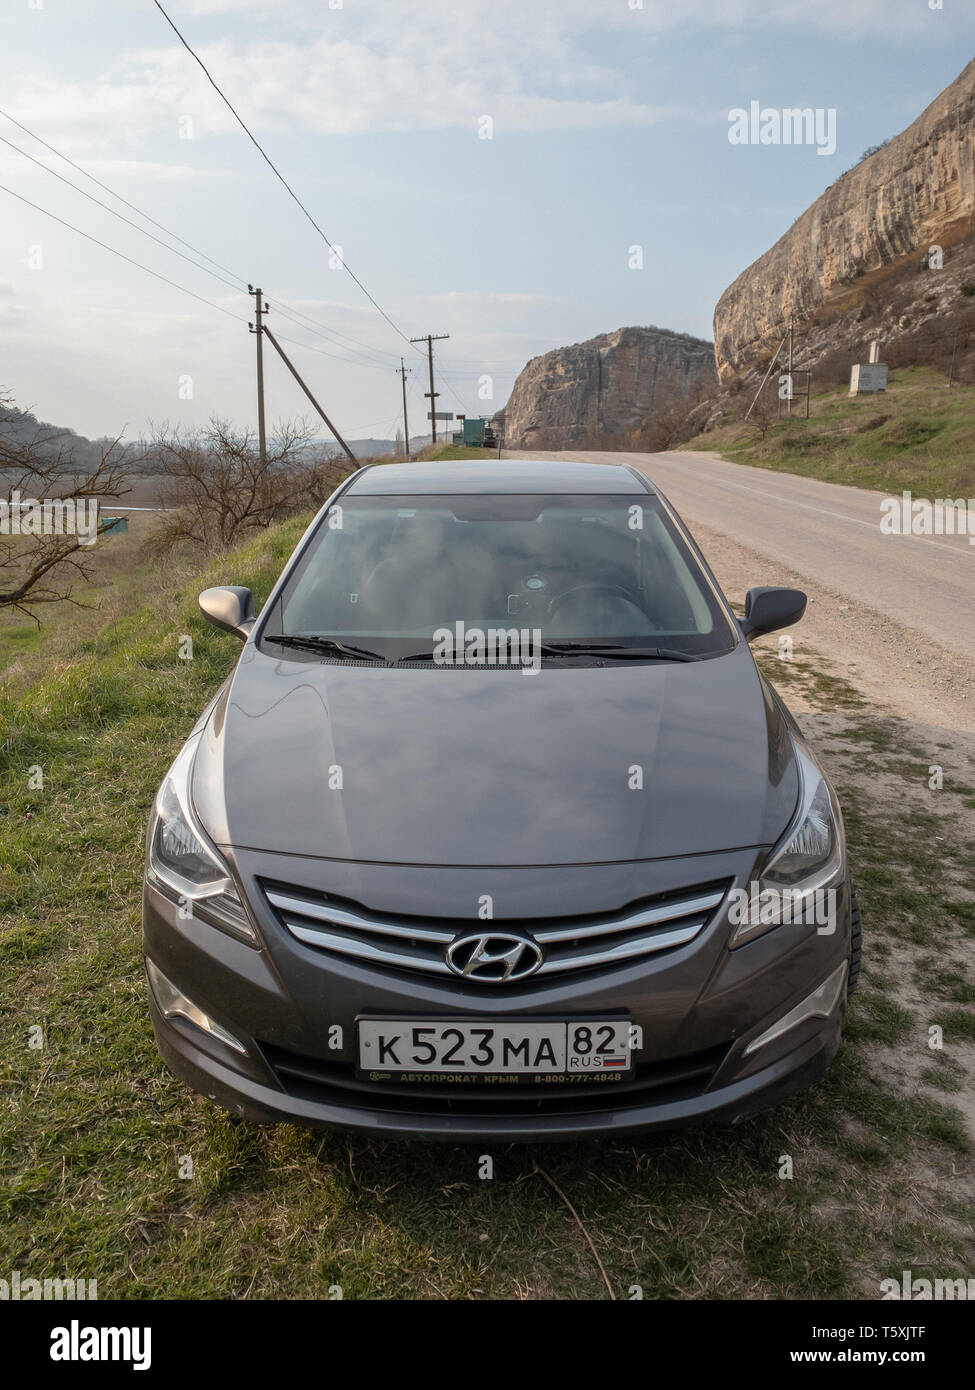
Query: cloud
pixel 479 18
pixel 218 7
pixel 413 65
pixel 139 169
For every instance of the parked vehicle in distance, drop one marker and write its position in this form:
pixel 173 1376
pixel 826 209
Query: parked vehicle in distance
pixel 496 829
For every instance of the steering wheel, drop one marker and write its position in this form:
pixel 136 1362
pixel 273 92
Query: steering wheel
pixel 610 590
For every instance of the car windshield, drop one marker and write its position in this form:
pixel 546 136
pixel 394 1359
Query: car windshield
pixel 388 575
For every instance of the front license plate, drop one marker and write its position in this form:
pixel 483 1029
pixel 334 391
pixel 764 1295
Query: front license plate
pixel 411 1049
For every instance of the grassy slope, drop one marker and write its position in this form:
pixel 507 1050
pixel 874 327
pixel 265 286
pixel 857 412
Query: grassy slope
pixel 919 434
pixel 93 1129
pixel 461 451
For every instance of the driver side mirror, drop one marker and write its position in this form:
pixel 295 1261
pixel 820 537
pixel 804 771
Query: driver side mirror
pixel 231 608
pixel 769 608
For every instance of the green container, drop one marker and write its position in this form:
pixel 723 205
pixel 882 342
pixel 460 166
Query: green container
pixel 474 433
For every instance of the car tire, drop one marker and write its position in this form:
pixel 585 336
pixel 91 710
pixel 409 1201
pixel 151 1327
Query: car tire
pixel 856 944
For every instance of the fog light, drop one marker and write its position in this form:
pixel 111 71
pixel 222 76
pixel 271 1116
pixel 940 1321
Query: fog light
pixel 819 1004
pixel 173 1003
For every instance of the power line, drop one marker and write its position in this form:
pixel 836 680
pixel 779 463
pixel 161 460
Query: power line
pixel 264 331
pixel 174 285
pixel 277 173
pixel 450 387
pixel 375 425
pixel 115 213
pixel 301 320
pixel 121 254
pixel 309 347
pixel 282 307
pixel 284 182
pixel 334 334
pixel 104 186
pixel 288 311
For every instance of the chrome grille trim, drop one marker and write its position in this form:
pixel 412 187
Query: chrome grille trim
pixel 363 950
pixel 342 917
pixel 645 917
pixel 641 946
pixel 578 944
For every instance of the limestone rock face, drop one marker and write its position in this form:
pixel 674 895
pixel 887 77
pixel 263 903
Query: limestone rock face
pixel 604 389
pixel 916 192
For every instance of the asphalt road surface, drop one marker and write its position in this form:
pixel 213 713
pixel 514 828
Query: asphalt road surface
pixel 911 597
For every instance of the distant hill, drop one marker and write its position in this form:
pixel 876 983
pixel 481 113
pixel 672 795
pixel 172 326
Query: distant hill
pixel 18 427
pixel 606 390
pixel 362 448
pixel 374 448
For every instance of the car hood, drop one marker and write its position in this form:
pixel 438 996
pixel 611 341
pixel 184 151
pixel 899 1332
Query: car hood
pixel 427 765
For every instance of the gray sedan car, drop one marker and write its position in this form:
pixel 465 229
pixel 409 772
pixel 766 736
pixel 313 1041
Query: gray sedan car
pixel 496 830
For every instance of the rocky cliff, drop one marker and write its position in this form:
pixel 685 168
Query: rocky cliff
pixel 872 227
pixel 605 389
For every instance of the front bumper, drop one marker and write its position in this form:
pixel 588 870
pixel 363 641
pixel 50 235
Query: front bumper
pixel 699 1007
pixel 264 1104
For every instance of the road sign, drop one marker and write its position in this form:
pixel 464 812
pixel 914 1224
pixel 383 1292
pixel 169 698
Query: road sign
pixel 440 415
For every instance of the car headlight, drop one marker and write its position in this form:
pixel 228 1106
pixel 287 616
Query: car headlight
pixel 806 862
pixel 183 864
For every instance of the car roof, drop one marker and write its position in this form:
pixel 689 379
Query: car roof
pixel 557 476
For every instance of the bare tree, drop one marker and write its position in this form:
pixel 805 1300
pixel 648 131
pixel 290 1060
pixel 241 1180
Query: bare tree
pixel 670 423
pixel 216 485
pixel 762 413
pixel 41 559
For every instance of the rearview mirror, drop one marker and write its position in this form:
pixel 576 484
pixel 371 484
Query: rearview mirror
pixel 230 608
pixel 769 608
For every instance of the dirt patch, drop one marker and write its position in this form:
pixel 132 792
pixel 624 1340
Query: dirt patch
pixel 909 793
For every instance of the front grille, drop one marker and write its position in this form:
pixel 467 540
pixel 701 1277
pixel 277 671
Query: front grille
pixel 412 943
pixel 332 1083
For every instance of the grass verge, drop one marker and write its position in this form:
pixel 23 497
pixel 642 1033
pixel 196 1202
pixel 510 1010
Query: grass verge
pixel 95 1134
pixel 919 434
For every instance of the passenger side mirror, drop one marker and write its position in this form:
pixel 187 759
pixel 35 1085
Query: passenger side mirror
pixel 230 608
pixel 769 608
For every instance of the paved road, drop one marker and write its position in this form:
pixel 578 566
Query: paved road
pixel 824 532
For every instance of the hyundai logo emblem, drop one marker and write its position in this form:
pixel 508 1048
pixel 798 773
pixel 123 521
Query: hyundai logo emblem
pixel 493 960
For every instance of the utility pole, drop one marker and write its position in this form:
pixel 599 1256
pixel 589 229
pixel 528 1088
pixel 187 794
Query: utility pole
pixel 792 328
pixel 291 368
pixel 259 312
pixel 406 423
pixel 765 379
pixel 430 339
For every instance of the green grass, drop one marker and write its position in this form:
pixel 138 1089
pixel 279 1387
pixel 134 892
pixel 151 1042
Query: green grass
pixel 957 1023
pixel 944 1073
pixel 93 1129
pixel 919 434
pixel 815 682
pixel 461 451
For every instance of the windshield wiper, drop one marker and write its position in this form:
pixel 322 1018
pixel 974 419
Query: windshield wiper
pixel 327 646
pixel 331 646
pixel 608 650
pixel 615 653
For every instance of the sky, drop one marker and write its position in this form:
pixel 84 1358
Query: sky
pixel 518 174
